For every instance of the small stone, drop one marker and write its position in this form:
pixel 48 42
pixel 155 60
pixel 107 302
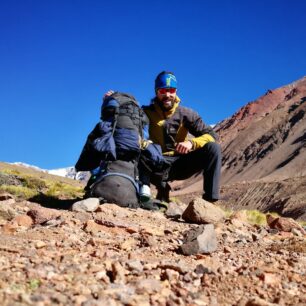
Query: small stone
pixel 129 244
pixel 101 301
pixel 9 228
pixel 25 299
pixel 91 242
pixel 135 266
pixel 92 227
pixel 170 275
pixel 200 269
pixel 118 273
pixel 39 244
pixel 148 286
pixel 179 267
pixel 238 223
pixel 150 266
pixel 87 205
pixel 256 301
pixel 272 231
pixel 80 299
pixel 200 302
pixel 255 237
pixel 152 230
pixel 174 211
pixel 6 212
pixel 8 202
pixel 6 196
pixel 53 223
pixel 271 279
pixel 147 241
pixel 101 275
pixel 227 249
pixel 296 232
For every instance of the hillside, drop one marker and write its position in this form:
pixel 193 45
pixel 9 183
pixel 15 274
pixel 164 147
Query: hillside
pixel 264 154
pixel 267 137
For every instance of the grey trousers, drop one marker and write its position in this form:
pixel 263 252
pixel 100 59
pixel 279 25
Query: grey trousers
pixel 206 160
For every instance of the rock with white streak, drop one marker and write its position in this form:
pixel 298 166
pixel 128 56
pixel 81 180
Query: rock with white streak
pixel 88 205
pixel 200 240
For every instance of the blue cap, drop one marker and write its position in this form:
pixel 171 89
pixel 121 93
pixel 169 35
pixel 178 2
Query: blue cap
pixel 165 80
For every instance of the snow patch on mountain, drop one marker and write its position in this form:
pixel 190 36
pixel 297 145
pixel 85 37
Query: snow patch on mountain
pixel 63 172
pixel 29 166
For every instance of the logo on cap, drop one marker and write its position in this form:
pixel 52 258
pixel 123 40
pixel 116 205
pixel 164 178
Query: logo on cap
pixel 169 78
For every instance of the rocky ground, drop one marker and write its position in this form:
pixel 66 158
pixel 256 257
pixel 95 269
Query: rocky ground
pixel 120 256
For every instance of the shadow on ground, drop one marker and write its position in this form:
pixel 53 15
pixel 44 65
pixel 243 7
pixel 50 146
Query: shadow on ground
pixel 53 202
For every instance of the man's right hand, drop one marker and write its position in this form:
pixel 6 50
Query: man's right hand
pixel 109 93
pixel 184 147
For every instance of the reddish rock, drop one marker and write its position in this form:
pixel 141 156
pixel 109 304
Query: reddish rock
pixel 118 273
pixel 23 220
pixel 41 215
pixel 92 227
pixel 148 286
pixel 9 228
pixel 283 224
pixel 256 301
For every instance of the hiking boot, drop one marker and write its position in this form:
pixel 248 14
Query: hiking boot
pixel 163 192
pixel 155 205
pixel 209 199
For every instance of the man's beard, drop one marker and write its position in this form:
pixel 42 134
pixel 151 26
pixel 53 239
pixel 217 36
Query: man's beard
pixel 166 104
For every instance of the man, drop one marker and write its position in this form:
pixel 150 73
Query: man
pixel 170 125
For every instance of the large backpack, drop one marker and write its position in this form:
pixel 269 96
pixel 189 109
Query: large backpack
pixel 113 149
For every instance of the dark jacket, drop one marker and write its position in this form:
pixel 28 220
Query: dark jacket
pixel 173 126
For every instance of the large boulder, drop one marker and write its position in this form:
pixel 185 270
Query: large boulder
pixel 200 211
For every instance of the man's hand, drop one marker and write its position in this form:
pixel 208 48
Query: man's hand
pixel 184 147
pixel 109 93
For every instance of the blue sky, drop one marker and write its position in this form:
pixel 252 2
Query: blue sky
pixel 57 58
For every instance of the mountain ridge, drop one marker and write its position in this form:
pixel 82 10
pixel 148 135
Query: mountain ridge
pixel 266 135
pixel 264 154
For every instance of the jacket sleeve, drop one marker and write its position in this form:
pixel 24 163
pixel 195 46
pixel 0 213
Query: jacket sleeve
pixel 89 158
pixel 202 133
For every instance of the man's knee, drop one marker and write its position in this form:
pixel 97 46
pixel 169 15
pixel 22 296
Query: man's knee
pixel 213 148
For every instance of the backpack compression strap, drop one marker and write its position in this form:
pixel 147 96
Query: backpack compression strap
pixel 117 174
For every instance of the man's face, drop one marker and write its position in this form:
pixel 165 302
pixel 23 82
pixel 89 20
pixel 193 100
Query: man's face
pixel 166 97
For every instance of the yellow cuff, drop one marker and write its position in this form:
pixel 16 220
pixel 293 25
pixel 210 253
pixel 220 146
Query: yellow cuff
pixel 201 141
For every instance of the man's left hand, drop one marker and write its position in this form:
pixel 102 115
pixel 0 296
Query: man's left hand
pixel 183 147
